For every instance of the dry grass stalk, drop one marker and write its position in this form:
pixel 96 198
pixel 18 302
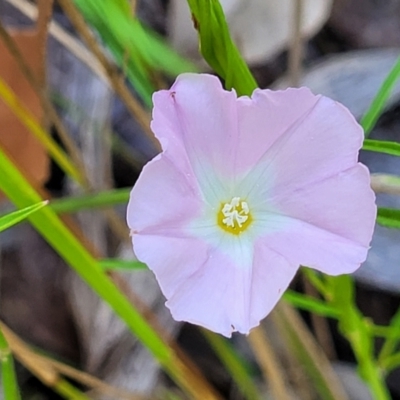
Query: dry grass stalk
pixel 115 77
pixel 50 371
pixel 296 45
pixel 270 366
pixel 301 343
pixel 63 37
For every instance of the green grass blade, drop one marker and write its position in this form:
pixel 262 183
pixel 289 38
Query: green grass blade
pixel 68 391
pixel 355 328
pixel 8 378
pixel 374 111
pixel 217 47
pixel 120 37
pixel 14 185
pixel 91 201
pixel 18 190
pixel 137 49
pixel 388 217
pixel 390 345
pixel 382 146
pixel 233 364
pixel 391 363
pixel 383 331
pixel 316 279
pixel 310 304
pixel 7 221
pixel 114 263
pixel 124 6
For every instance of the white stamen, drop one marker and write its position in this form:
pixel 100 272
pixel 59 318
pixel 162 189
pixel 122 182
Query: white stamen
pixel 232 215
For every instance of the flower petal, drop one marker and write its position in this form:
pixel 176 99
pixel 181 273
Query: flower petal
pixel 311 246
pixel 325 226
pixel 272 274
pixel 208 291
pixel 163 199
pixel 213 297
pixel 343 204
pixel 290 156
pixel 228 292
pixel 233 292
pixel 196 121
pixel 173 259
pixel 323 142
pixel 265 118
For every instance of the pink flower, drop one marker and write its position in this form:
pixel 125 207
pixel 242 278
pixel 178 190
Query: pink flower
pixel 245 191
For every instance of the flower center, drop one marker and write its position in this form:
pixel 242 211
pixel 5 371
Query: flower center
pixel 234 217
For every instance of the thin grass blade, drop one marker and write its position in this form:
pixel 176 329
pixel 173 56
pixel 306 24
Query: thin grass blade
pixel 235 366
pixel 7 221
pixel 138 50
pixel 310 304
pixel 355 328
pixel 382 146
pixel 374 111
pixel 305 349
pixel 91 201
pixel 9 379
pixel 388 217
pixel 109 264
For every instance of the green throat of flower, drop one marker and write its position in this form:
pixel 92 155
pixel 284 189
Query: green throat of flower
pixel 234 217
